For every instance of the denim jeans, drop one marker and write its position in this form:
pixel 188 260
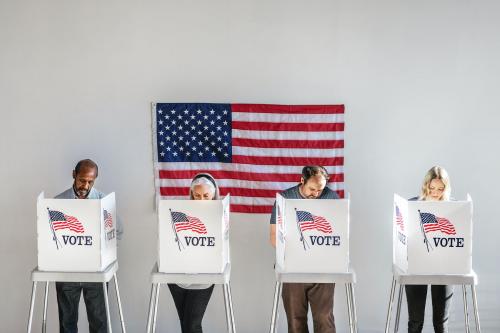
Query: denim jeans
pixel 416 296
pixel 191 305
pixel 68 299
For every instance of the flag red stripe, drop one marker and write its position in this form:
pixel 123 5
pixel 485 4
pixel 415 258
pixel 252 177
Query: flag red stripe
pixel 288 109
pixel 297 127
pixel 265 160
pixel 312 144
pixel 181 191
pixel 255 209
pixel 252 176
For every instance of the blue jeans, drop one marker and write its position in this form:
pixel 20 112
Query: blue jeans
pixel 416 296
pixel 68 299
pixel 191 305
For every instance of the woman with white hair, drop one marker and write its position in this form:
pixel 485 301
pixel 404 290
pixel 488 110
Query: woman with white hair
pixel 191 300
pixel 436 187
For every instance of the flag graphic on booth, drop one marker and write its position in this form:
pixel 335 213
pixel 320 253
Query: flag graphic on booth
pixel 399 220
pixel 108 219
pixel 253 150
pixel 60 221
pixel 307 221
pixel 432 223
pixel 184 222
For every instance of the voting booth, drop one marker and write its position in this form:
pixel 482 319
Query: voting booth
pixel 432 237
pixel 312 236
pixel 76 235
pixel 193 236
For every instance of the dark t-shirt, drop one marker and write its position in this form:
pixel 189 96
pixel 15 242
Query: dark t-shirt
pixel 294 193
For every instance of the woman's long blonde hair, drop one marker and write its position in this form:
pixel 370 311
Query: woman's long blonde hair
pixel 436 172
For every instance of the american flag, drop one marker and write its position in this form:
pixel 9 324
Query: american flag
pixel 182 222
pixel 253 150
pixel 60 221
pixel 399 220
pixel 108 219
pixel 432 223
pixel 308 221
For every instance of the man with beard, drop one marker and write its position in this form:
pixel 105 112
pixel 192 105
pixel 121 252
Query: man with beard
pixel 298 296
pixel 68 293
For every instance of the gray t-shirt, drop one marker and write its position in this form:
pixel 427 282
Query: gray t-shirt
pixel 294 193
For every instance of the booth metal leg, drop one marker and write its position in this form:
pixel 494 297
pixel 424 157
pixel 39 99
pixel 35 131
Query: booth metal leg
pixel 120 310
pixel 476 310
pixel 231 312
pixel 226 307
pixel 274 315
pixel 150 310
pixel 349 307
pixel 32 305
pixel 389 310
pixel 106 303
pixel 398 309
pixel 466 309
pixel 353 303
pixel 45 300
pixel 155 313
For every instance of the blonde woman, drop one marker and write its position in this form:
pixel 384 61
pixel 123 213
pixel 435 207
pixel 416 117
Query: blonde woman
pixel 436 187
pixel 191 300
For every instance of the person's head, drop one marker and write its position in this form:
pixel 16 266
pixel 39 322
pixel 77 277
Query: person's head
pixel 436 185
pixel 203 187
pixel 313 181
pixel 84 176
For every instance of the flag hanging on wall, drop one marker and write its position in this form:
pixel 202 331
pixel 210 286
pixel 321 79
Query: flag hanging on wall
pixel 253 150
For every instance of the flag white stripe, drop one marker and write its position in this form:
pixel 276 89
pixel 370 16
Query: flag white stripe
pixel 278 186
pixel 287 152
pixel 287 135
pixel 287 118
pixel 235 200
pixel 280 169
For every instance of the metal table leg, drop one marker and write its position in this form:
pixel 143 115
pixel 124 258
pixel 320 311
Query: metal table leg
pixel 120 310
pixel 476 310
pixel 466 309
pixel 106 303
pixel 45 300
pixel 226 307
pixel 150 310
pixel 32 305
pixel 353 303
pixel 274 315
pixel 157 297
pixel 389 310
pixel 231 312
pixel 398 309
pixel 349 307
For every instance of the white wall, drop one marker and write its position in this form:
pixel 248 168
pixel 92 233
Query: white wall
pixel 419 80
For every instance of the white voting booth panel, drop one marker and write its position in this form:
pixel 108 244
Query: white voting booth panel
pixel 312 236
pixel 432 237
pixel 76 235
pixel 193 236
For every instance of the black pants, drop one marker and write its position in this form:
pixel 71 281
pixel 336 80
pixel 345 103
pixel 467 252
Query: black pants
pixel 441 300
pixel 191 305
pixel 68 299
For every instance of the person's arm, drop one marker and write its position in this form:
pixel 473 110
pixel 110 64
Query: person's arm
pixel 272 235
pixel 272 230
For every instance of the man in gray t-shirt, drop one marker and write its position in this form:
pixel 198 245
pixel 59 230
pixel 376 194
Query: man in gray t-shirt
pixel 298 296
pixel 68 293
